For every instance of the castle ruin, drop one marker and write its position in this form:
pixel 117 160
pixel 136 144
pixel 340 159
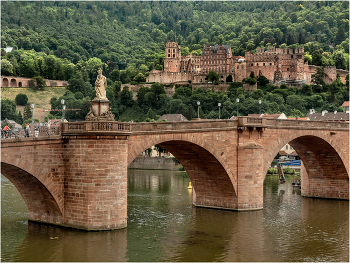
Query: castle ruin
pixel 278 65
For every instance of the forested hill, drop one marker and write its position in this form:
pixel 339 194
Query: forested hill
pixel 136 32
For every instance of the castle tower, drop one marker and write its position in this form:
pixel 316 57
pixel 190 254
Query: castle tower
pixel 172 57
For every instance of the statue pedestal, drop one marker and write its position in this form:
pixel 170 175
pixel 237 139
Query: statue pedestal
pixel 100 111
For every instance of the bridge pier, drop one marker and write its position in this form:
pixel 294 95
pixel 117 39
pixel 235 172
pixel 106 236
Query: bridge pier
pixel 95 182
pixel 250 176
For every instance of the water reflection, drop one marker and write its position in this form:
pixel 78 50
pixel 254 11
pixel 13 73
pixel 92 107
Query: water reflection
pixel 164 226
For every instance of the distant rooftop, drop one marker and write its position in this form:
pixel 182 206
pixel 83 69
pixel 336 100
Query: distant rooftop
pixel 8 49
pixel 215 48
pixel 173 117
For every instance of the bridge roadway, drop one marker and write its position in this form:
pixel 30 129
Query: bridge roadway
pixel 79 178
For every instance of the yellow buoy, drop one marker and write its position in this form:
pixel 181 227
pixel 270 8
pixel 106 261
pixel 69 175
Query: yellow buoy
pixel 189 186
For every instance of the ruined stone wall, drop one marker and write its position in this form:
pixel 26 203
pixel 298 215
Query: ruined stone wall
pixel 205 86
pixel 18 82
pixel 240 71
pixel 169 77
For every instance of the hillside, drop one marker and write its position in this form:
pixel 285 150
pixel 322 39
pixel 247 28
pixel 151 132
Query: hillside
pixel 41 99
pixel 136 32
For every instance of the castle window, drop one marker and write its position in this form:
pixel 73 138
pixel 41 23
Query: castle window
pixel 287 69
pixel 237 67
pixel 168 55
pixel 291 56
pixel 173 55
pixel 242 67
pixel 252 64
pixel 257 64
pixel 270 64
pixel 263 64
pixel 174 50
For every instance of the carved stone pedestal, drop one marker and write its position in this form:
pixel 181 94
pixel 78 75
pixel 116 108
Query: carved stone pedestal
pixel 100 111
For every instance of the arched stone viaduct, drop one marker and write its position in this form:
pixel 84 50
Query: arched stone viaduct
pixel 79 179
pixel 18 82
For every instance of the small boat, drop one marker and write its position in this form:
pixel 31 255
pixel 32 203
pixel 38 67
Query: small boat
pixel 297 184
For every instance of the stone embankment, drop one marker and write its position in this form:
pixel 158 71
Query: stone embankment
pixel 154 163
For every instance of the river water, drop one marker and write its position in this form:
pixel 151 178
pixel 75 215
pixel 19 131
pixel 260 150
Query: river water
pixel 164 226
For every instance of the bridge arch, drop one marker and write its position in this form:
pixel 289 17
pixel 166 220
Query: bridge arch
pixel 38 195
pixel 324 173
pixel 213 182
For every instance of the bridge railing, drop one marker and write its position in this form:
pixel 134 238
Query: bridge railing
pixel 182 125
pixel 95 126
pixel 54 130
pixel 329 125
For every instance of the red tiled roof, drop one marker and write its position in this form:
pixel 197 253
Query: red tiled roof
pixel 282 153
pixel 346 104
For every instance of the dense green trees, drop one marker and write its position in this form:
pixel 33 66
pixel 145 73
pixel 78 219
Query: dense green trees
pixel 50 39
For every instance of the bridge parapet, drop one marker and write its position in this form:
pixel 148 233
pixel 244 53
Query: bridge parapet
pixel 183 126
pixel 96 127
pixel 302 124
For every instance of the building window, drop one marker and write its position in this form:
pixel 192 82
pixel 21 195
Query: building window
pixel 257 64
pixel 263 64
pixel 237 67
pixel 270 64
pixel 168 55
pixel 174 50
pixel 291 56
pixel 242 67
pixel 252 64
pixel 287 69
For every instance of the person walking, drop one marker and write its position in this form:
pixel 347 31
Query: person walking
pixel 48 127
pixel 26 131
pixel 36 130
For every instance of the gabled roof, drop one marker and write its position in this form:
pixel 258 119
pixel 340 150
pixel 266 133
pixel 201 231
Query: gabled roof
pixel 346 104
pixel 269 116
pixel 293 153
pixel 330 116
pixel 282 153
pixel 215 48
pixel 173 117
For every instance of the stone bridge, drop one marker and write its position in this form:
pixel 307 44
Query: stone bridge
pixel 79 178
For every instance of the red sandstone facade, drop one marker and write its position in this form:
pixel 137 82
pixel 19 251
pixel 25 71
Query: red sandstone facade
pixel 277 64
pixel 18 82
pixel 79 179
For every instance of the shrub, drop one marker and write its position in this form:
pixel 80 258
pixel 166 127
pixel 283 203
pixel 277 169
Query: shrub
pixel 78 95
pixel 272 171
pixel 288 170
pixel 21 99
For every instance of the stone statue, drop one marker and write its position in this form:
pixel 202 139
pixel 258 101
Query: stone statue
pixel 100 86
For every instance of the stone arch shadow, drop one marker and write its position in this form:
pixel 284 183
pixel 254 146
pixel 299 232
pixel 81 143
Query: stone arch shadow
pixel 324 173
pixel 213 184
pixel 42 205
